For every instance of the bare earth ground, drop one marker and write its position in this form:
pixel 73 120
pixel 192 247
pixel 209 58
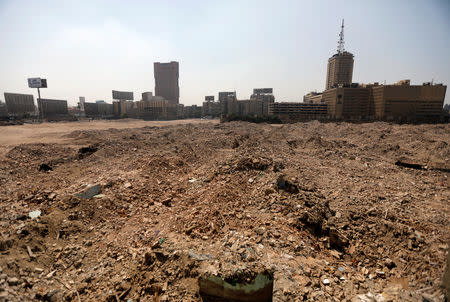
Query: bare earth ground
pixel 322 208
pixel 53 132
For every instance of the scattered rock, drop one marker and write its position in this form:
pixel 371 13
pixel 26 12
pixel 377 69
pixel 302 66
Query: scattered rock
pixel 90 192
pixel 13 281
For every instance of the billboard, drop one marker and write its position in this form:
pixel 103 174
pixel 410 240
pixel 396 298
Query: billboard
pixel 49 108
pixel 225 94
pixel 122 95
pixel 209 98
pixel 262 90
pixel 37 83
pixel 19 104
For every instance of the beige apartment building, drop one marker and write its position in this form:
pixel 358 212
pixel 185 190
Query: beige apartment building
pixel 405 102
pixel 340 70
pixel 395 102
pixel 290 112
pixel 313 98
pixel 349 103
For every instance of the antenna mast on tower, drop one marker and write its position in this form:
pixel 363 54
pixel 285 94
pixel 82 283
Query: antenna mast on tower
pixel 340 48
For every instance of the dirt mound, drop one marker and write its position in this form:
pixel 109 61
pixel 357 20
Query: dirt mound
pixel 307 211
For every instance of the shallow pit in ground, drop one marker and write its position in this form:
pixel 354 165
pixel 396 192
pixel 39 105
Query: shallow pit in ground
pixel 244 287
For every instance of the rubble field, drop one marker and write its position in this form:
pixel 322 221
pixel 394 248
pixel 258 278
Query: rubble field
pixel 210 212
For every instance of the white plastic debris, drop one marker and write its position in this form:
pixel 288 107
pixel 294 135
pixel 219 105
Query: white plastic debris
pixel 34 214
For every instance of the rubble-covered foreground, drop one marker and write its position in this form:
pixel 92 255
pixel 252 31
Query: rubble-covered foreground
pixel 330 212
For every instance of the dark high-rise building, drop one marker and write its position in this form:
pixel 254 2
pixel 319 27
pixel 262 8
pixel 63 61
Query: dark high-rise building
pixel 166 81
pixel 340 65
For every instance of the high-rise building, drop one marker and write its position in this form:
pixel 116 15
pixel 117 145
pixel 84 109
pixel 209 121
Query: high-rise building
pixel 166 81
pixel 340 65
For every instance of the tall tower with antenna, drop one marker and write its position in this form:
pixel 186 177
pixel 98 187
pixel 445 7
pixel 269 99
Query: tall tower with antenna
pixel 340 48
pixel 340 65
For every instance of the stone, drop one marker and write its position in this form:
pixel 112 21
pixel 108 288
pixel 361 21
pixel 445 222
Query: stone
pixel 21 217
pixel 199 257
pixel 335 254
pixel 326 281
pixel 369 297
pixel 90 192
pixel 13 281
pixel 389 263
pixel 428 298
pixel 49 275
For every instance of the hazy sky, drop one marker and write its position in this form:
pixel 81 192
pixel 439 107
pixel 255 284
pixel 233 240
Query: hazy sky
pixel 88 48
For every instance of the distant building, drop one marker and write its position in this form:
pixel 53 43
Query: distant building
pixel 105 110
pixel 396 102
pixel 193 111
pixel 99 110
pixel 257 105
pixel 3 111
pixel 153 109
pixel 157 108
pixel 313 98
pixel 122 108
pixel 81 106
pixel 146 96
pixel 260 100
pixel 340 65
pixel 405 102
pixel 211 109
pixel 74 111
pixel 348 103
pixel 296 112
pixel 447 109
pixel 166 81
pixel 226 97
pixel 340 70
pixel 91 109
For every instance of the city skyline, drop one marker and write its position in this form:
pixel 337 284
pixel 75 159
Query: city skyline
pixel 86 49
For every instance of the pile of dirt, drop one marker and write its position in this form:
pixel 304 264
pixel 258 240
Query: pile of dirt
pixel 153 214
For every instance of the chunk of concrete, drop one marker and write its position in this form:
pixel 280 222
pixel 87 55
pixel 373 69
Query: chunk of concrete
pixel 90 192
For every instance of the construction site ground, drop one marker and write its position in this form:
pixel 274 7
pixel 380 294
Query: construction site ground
pixel 143 211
